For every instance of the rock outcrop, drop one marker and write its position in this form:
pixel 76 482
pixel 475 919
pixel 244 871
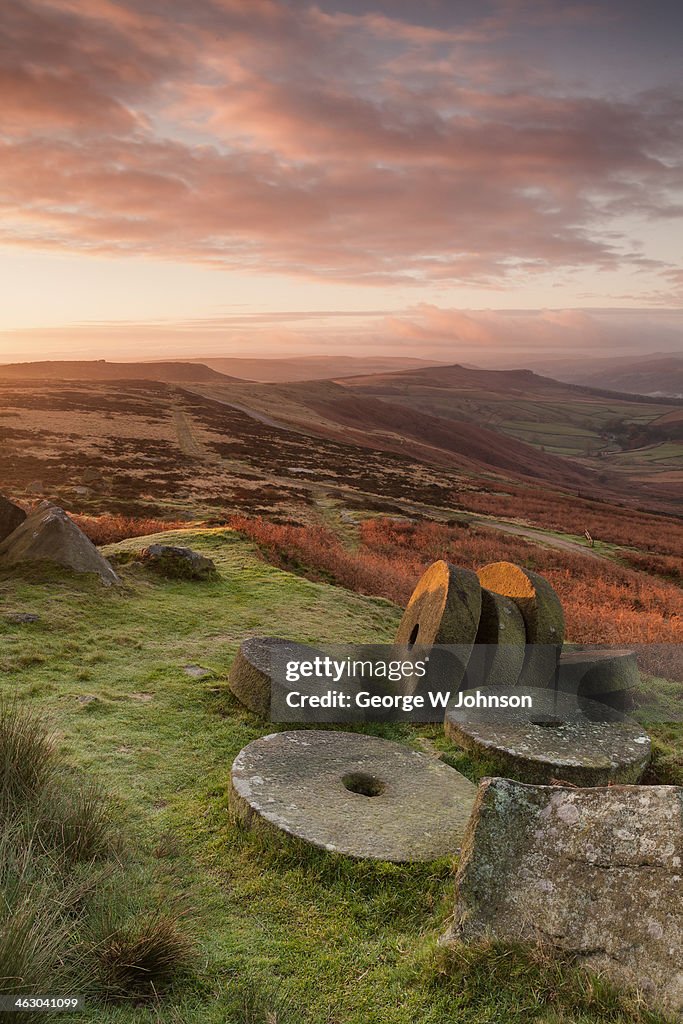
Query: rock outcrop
pixel 594 872
pixel 11 516
pixel 178 563
pixel 48 535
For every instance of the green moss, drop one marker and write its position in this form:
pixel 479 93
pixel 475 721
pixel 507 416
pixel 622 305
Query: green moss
pixel 286 932
pixel 666 767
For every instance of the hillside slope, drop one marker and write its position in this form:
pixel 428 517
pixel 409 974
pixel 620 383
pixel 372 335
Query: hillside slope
pixel 309 367
pixel 102 370
pixel 284 932
pixel 654 375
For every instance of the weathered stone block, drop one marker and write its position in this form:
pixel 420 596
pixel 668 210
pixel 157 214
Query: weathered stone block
pixel 178 563
pixel 595 872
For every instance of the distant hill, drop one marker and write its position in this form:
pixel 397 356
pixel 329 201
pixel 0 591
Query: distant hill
pixel 444 415
pixel 659 375
pixel 467 445
pixel 100 369
pixel 310 367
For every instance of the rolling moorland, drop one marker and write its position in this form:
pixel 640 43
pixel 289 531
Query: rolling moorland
pixel 184 436
pixel 279 933
pixel 654 374
pixel 320 503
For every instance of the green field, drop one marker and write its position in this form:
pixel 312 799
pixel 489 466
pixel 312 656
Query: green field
pixel 670 454
pixel 284 934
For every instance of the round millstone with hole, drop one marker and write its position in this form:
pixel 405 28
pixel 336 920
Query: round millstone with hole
pixel 250 674
pixel 542 613
pixel 607 676
pixel 499 646
pixel 444 609
pixel 353 794
pixel 560 738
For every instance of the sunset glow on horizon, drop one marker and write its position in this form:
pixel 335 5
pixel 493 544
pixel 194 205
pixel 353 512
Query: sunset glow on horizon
pixel 474 181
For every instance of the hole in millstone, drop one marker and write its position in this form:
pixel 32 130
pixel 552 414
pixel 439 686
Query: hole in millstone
pixel 363 784
pixel 412 639
pixel 547 723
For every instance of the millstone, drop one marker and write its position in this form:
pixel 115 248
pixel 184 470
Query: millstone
pixel 443 609
pixel 542 613
pixel 250 673
pixel 353 794
pixel 560 738
pixel 607 676
pixel 499 645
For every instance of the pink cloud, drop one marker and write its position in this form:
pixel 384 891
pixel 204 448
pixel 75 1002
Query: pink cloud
pixel 266 136
pixel 494 338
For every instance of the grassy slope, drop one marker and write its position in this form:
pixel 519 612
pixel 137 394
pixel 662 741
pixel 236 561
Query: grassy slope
pixel 284 930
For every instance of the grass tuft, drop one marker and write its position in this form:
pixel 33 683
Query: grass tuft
pixel 530 983
pixel 140 959
pixel 28 760
pixel 59 859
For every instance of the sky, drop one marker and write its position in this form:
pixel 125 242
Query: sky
pixel 487 180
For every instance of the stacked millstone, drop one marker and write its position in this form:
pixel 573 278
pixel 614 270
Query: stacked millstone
pixel 500 628
pixel 504 627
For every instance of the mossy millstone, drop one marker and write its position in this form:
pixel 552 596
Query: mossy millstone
pixel 560 738
pixel 250 673
pixel 499 645
pixel 608 676
pixel 542 613
pixel 353 794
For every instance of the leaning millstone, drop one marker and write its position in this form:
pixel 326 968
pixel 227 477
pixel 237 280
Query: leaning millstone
pixel 561 737
pixel 608 676
pixel 48 535
pixel 353 794
pixel 444 610
pixel 542 613
pixel 178 563
pixel 11 516
pixel 499 646
pixel 594 872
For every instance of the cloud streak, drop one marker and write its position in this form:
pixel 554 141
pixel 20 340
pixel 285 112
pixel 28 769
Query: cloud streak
pixel 356 147
pixel 484 337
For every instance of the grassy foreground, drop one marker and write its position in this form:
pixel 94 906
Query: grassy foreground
pixel 285 934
